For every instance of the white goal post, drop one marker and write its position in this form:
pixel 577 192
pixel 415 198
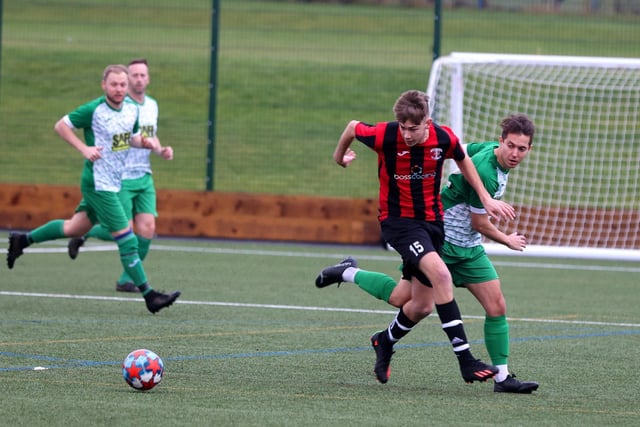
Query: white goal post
pixel 578 192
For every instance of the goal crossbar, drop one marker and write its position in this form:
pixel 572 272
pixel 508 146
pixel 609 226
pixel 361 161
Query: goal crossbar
pixel 585 61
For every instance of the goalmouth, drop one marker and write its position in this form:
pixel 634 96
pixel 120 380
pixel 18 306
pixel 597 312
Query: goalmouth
pixel 577 193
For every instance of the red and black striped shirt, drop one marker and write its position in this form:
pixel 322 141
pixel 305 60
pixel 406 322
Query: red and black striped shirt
pixel 410 177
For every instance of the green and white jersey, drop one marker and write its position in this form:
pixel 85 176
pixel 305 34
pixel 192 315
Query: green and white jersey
pixel 459 199
pixel 110 129
pixel 138 161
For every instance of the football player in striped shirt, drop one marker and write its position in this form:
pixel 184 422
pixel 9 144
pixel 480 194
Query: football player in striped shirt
pixel 411 152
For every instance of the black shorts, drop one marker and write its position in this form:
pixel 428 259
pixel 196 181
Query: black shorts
pixel 413 239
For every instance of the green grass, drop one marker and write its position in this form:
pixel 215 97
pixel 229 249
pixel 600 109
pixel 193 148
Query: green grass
pixel 290 76
pixel 252 342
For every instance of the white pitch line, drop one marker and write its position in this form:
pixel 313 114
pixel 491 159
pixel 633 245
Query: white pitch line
pixel 329 255
pixel 300 307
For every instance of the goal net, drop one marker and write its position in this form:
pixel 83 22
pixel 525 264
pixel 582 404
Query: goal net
pixel 577 193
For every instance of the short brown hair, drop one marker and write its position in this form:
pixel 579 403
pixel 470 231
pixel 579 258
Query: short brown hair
pixel 412 105
pixel 114 68
pixel 138 61
pixel 519 124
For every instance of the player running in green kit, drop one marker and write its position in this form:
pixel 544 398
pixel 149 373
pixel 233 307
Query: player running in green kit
pixel 138 193
pixel 465 221
pixel 110 126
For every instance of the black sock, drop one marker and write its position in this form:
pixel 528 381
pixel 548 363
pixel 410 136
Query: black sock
pixel 400 326
pixel 451 320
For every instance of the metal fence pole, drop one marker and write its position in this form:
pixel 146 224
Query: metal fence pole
pixel 213 89
pixel 1 7
pixel 437 28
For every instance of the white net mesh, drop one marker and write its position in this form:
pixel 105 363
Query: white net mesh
pixel 579 185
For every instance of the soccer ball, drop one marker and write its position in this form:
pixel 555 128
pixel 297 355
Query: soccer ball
pixel 142 369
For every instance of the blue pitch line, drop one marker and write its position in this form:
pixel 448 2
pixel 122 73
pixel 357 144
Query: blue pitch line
pixel 71 363
pixel 61 362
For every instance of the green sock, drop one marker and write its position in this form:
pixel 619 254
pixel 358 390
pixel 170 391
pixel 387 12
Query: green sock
pixel 143 250
pixel 496 339
pixel 50 231
pixel 128 248
pixel 379 285
pixel 143 246
pixel 100 232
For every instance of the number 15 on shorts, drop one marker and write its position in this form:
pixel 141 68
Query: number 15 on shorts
pixel 416 248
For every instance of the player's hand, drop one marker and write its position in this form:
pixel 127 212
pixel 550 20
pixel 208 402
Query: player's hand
pixel 499 209
pixel 516 241
pixel 348 157
pixel 166 153
pixel 344 158
pixel 92 153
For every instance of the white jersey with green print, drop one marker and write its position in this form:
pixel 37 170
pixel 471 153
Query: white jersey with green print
pixel 110 129
pixel 459 199
pixel 138 161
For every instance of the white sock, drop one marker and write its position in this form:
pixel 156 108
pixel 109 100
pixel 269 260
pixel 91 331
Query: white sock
pixel 502 373
pixel 349 275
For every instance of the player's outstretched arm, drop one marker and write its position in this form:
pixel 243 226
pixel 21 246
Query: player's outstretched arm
pixel 495 208
pixel 140 141
pixel 342 149
pixel 482 224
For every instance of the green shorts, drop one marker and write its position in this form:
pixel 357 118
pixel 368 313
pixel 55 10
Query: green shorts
pixel 103 207
pixel 138 196
pixel 468 265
